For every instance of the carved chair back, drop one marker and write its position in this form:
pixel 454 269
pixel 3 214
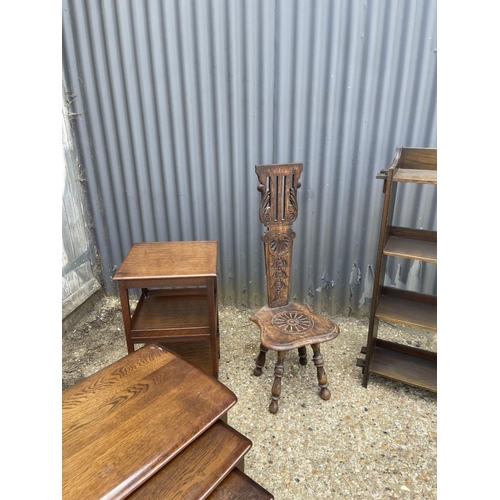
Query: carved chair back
pixel 278 210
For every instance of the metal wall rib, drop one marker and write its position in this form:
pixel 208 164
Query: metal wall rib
pixel 176 101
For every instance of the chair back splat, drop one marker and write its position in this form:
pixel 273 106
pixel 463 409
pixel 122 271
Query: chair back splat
pixel 278 210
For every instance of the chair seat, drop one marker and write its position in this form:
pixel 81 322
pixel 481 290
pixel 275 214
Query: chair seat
pixel 291 326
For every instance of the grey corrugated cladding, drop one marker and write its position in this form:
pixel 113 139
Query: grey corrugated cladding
pixel 178 100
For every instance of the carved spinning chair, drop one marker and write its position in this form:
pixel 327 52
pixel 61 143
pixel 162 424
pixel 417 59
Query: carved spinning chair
pixel 285 325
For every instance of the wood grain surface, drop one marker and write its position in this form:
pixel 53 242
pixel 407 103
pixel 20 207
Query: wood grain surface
pixel 196 471
pixel 169 259
pixel 238 486
pixel 122 424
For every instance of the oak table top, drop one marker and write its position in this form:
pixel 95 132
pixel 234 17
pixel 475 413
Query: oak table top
pixel 125 422
pixel 170 259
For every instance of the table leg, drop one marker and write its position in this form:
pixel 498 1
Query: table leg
pixel 124 299
pixel 213 326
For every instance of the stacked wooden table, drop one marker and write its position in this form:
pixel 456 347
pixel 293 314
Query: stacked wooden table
pixel 152 426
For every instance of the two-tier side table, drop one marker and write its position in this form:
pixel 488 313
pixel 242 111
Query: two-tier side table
pixel 177 305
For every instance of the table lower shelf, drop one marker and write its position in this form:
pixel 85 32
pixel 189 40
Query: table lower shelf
pixel 200 468
pixel 415 367
pixel 160 314
pixel 238 485
pixel 178 319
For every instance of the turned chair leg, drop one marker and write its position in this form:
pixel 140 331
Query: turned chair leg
pixel 303 355
pixel 324 392
pixel 278 373
pixel 260 361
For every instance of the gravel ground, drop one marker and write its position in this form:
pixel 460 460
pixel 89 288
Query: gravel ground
pixel 371 443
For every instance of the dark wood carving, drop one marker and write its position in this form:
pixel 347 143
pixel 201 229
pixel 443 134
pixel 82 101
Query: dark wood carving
pixel 285 325
pixel 278 210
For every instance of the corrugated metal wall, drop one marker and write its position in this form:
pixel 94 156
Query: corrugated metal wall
pixel 176 101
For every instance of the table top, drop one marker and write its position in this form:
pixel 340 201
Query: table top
pixel 122 424
pixel 170 259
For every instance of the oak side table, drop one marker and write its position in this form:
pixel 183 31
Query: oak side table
pixel 177 306
pixel 151 426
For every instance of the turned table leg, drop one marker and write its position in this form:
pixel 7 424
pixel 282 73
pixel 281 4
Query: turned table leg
pixel 324 392
pixel 303 355
pixel 278 373
pixel 260 361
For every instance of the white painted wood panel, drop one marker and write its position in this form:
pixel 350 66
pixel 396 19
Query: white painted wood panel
pixel 79 283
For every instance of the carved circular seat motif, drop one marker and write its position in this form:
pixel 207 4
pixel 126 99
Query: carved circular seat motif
pixel 292 322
